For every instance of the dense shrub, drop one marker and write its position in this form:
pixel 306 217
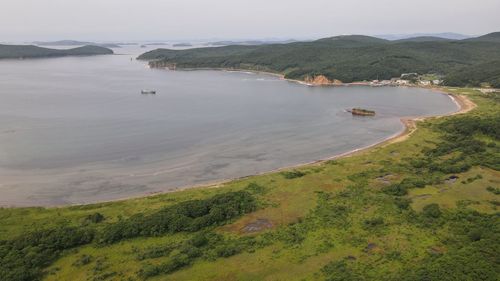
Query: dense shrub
pixel 431 211
pixel 494 190
pixel 83 260
pixel 395 189
pixel 255 188
pixel 402 203
pixel 373 222
pixel 94 218
pixel 472 244
pixel 293 174
pixel 191 215
pixel 205 245
pixel 340 271
pixel 24 257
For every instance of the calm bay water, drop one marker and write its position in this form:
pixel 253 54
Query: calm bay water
pixel 78 130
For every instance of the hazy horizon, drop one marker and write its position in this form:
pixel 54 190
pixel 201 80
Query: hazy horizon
pixel 149 20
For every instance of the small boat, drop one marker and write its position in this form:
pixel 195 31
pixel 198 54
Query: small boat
pixel 148 92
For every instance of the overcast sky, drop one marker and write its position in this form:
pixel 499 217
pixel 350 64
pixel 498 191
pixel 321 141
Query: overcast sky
pixel 239 19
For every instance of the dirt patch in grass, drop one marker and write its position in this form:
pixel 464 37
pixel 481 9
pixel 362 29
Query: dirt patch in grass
pixel 370 247
pixel 257 226
pixel 385 179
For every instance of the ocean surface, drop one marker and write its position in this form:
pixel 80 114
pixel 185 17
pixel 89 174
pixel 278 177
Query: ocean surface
pixel 78 130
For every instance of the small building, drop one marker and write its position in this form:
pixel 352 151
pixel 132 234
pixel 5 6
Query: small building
pixel 424 82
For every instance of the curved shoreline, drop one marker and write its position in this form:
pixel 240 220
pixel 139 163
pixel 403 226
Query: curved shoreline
pixel 464 105
pixel 408 127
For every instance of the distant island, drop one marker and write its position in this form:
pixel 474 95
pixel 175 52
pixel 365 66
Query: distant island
pixel 353 58
pixel 30 51
pixel 77 43
pixel 156 44
pixel 249 42
pixel 182 45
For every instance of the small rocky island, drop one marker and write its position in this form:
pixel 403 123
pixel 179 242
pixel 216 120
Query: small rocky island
pixel 362 112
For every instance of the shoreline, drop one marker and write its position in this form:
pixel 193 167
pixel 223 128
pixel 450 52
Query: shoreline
pixel 464 105
pixel 409 127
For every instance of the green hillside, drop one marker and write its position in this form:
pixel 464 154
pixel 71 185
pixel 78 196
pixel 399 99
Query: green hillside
pixel 30 51
pixel 346 58
pixel 476 75
pixel 491 37
pixel 423 39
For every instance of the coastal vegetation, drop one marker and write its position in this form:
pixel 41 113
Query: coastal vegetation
pixel 30 51
pixel 351 59
pixel 425 208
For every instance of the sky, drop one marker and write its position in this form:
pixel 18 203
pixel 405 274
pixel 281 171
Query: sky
pixel 119 20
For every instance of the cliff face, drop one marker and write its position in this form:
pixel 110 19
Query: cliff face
pixel 162 64
pixel 321 80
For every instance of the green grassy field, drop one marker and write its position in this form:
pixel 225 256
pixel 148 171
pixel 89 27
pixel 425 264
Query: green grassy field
pixel 371 216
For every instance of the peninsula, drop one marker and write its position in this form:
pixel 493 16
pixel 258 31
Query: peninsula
pixel 31 51
pixel 353 58
pixel 77 43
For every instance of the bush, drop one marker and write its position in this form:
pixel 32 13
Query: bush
pixel 493 190
pixel 340 271
pixel 293 174
pixel 432 211
pixel 395 189
pixel 83 260
pixel 373 222
pixel 94 218
pixel 254 188
pixel 227 250
pixel 475 234
pixel 24 257
pixel 190 216
pixel 155 252
pixel 402 203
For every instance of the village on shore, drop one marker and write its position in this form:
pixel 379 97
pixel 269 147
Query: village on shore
pixel 414 79
pixel 408 79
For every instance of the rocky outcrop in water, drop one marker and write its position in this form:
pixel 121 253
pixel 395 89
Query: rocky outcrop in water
pixel 362 112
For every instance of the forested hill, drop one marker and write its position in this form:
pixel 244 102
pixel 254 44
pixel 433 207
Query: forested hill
pixel 30 51
pixel 346 58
